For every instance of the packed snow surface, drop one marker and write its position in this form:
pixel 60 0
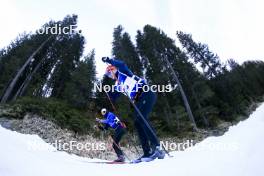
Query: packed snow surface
pixel 240 151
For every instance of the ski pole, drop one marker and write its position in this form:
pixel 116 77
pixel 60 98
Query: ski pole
pixel 111 102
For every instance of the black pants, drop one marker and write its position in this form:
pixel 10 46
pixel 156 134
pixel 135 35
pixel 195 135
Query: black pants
pixel 119 132
pixel 147 139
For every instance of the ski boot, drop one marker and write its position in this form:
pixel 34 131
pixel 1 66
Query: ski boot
pixel 140 159
pixel 158 153
pixel 120 159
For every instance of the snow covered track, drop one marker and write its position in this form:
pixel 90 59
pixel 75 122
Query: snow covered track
pixel 239 152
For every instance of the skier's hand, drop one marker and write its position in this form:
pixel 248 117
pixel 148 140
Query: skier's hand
pixel 105 59
pixel 97 120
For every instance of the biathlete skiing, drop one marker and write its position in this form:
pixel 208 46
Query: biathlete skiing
pixel 143 101
pixel 112 121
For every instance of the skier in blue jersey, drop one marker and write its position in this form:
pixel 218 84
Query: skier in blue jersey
pixel 112 121
pixel 132 86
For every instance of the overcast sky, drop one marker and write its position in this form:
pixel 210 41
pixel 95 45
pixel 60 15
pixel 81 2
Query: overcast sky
pixel 231 28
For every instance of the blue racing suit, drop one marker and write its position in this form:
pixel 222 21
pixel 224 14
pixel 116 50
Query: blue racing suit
pixel 111 120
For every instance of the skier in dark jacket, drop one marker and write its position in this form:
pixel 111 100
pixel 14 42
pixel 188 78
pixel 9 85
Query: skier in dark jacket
pixel 112 121
pixel 132 86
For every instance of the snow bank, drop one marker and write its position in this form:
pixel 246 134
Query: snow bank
pixel 238 152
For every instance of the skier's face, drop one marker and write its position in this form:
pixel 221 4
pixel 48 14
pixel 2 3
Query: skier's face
pixel 111 72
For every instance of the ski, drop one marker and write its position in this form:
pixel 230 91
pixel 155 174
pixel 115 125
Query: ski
pixel 107 162
pixel 114 162
pixel 147 159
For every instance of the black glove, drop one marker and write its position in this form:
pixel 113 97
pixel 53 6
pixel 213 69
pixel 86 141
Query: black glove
pixel 105 59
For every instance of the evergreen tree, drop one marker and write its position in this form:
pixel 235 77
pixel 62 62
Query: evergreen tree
pixel 159 55
pixel 18 61
pixel 70 51
pixel 78 91
pixel 44 62
pixel 238 88
pixel 201 54
pixel 123 48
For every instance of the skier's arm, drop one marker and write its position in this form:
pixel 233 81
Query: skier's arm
pixel 120 65
pixel 117 63
pixel 104 121
pixel 114 62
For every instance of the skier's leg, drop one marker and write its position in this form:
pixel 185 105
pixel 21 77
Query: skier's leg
pixel 145 105
pixel 142 138
pixel 119 132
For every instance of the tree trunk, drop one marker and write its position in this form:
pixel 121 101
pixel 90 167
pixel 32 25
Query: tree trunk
pixel 11 86
pixel 167 113
pixel 177 119
pixel 199 107
pixel 185 100
pixel 26 82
